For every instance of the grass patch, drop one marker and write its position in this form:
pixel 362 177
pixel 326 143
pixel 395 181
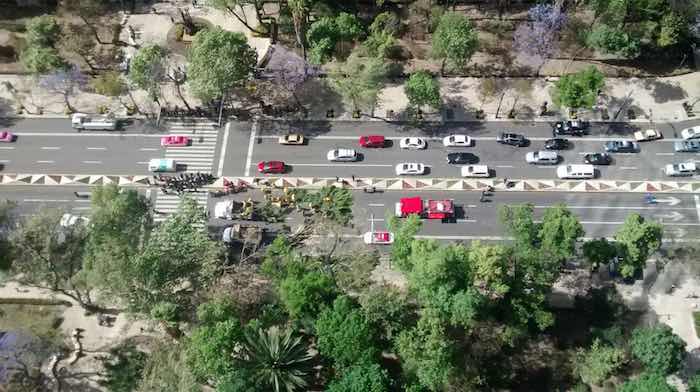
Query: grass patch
pixel 40 320
pixel 696 318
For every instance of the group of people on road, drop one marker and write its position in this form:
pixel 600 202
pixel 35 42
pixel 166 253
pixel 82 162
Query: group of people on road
pixel 184 182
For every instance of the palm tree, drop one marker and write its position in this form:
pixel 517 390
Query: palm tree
pixel 277 358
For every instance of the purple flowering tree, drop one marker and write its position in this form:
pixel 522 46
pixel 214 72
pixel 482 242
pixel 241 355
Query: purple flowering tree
pixel 537 39
pixel 64 82
pixel 288 70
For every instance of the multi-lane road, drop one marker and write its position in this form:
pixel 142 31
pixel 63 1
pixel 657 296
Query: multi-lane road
pixel 50 146
pixel 601 214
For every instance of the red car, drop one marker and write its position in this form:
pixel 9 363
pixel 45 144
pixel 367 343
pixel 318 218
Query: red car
pixel 271 167
pixel 6 137
pixel 372 141
pixel 175 141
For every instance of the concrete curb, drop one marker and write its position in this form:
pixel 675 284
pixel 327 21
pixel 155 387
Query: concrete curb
pixel 381 184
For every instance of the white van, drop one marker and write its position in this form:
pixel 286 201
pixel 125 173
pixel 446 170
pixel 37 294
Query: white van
pixel 476 171
pixel 162 165
pixel 542 157
pixel 576 172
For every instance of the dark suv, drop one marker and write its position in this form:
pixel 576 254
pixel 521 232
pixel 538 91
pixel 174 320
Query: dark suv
pixel 462 158
pixel 574 128
pixel 512 139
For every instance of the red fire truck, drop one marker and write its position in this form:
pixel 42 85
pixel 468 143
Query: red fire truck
pixel 425 208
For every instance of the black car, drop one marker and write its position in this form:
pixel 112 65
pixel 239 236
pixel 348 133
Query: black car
pixel 574 128
pixel 556 144
pixel 598 158
pixel 462 158
pixel 512 139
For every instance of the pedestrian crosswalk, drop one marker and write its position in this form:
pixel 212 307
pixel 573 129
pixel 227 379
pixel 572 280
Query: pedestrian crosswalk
pixel 166 204
pixel 198 157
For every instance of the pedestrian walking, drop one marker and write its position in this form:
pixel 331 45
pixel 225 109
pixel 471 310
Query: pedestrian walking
pixel 337 179
pixel 353 178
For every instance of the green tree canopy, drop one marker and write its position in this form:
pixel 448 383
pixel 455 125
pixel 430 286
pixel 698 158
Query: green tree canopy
pixel 599 251
pixel 219 60
pixel 388 309
pixel 658 348
pixel 579 90
pixel 647 382
pixel 559 232
pixel 7 222
pixel 147 69
pixel 599 362
pixel 361 378
pixel 177 252
pixel 331 202
pixel 49 255
pixel 210 349
pixel 422 89
pixel 637 238
pixel 426 352
pixel 344 334
pixel 454 40
pixel 326 32
pixel 123 368
pixel 404 232
pixel 166 369
pixel 359 80
pixel 614 40
pixel 41 59
pixel 489 266
pixel 305 292
pixel 43 30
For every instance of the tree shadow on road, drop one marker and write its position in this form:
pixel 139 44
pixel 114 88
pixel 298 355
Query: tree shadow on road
pixel 664 91
pixel 7 114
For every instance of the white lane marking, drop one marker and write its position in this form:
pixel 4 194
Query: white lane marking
pixel 336 165
pixel 51 148
pixel 97 148
pixel 7 148
pixel 148 149
pixel 619 208
pixel 665 153
pixel 54 201
pixel 628 168
pixel 95 162
pixel 504 166
pixel 5 161
pixel 482 138
pixel 376 205
pixel 466 221
pixel 142 163
pixel 697 205
pixel 82 134
pixel 546 167
pixel 376 219
pixel 44 161
pixel 251 144
pixel 81 208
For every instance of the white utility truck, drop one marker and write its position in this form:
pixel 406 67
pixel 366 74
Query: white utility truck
pixel 82 121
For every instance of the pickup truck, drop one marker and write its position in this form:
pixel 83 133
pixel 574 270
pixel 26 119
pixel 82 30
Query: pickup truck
pixel 82 121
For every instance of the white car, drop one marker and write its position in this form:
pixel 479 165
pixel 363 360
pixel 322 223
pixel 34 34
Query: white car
pixel 476 171
pixel 412 143
pixel 690 133
pixel 68 220
pixel 680 169
pixel 342 155
pixel 378 238
pixel 649 134
pixel 457 141
pixel 542 157
pixel 410 169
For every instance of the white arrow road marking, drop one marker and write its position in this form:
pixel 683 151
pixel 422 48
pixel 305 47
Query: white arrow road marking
pixel 672 201
pixel 337 165
pixel 673 216
pixel 251 144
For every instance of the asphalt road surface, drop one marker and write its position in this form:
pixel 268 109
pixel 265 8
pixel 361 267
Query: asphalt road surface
pixel 506 161
pixel 601 214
